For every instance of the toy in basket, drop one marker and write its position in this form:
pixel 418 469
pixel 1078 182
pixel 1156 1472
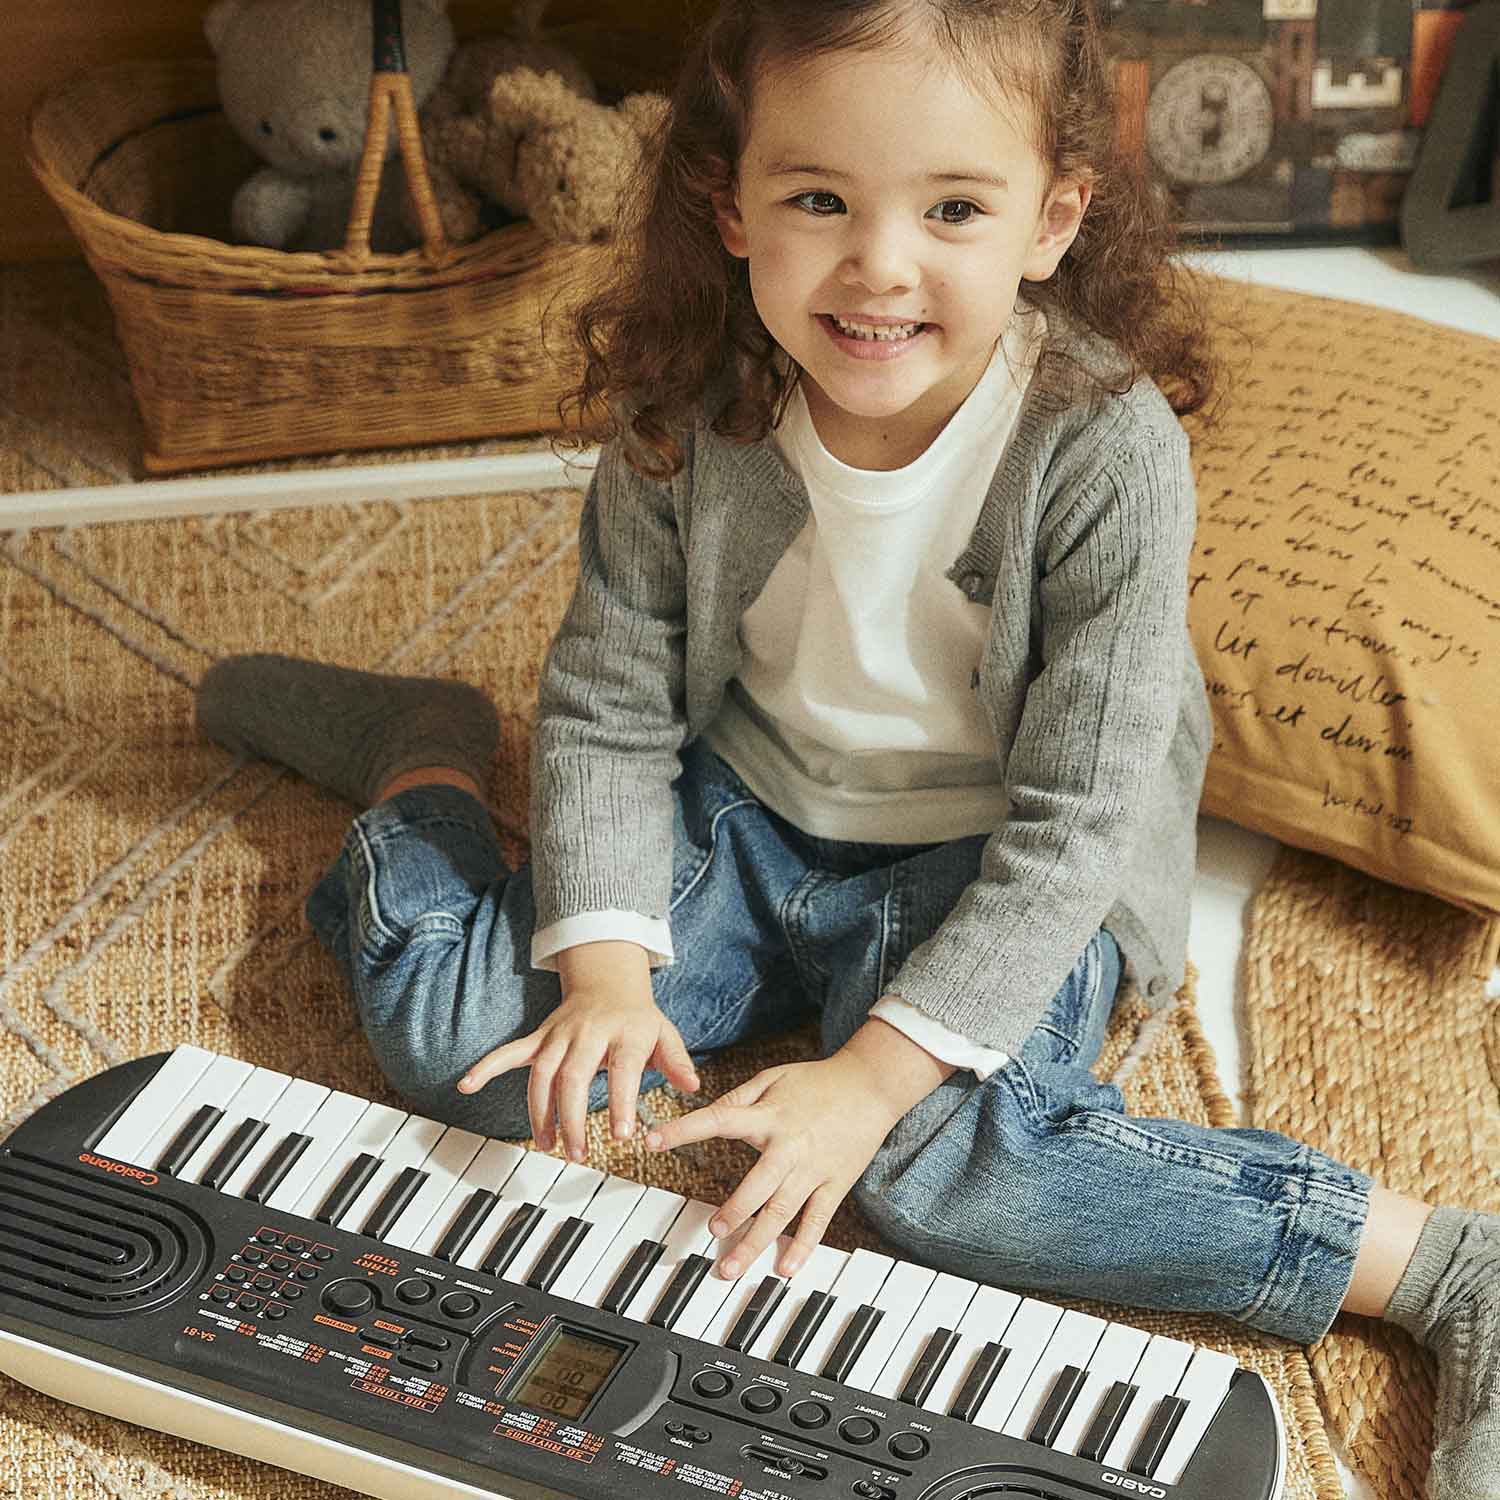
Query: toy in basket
pixel 240 353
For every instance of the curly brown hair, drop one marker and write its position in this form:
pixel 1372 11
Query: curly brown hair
pixel 677 315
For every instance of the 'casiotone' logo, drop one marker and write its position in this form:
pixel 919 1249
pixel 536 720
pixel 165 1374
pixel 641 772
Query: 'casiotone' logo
pixel 119 1168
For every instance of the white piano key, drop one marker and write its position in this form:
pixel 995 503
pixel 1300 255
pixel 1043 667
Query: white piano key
pixel 985 1320
pixel 368 1134
pixel 529 1183
pixel 218 1081
pixel 714 1293
pixel 1203 1386
pixel 489 1170
pixel 410 1146
pixel 336 1116
pixel 858 1282
pixel 445 1165
pixel 1118 1354
pixel 608 1212
pixel 1155 1376
pixel 126 1139
pixel 816 1274
pixel 1026 1337
pixel 898 1299
pixel 650 1219
pixel 289 1115
pixel 1073 1342
pixel 739 1293
pixel 570 1193
pixel 688 1236
pixel 252 1101
pixel 943 1306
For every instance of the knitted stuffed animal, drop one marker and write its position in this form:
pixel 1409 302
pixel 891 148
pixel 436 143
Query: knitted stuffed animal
pixel 516 125
pixel 294 79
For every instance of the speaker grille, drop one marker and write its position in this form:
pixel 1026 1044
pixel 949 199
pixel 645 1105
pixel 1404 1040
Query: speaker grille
pixel 71 1239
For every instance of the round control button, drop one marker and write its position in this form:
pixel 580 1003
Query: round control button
pixel 712 1383
pixel 263 1283
pixel 809 1414
pixel 294 1246
pixel 908 1445
pixel 248 1302
pixel 760 1398
pixel 307 1273
pixel 676 1429
pixel 236 1273
pixel 275 1310
pixel 460 1304
pixel 290 1290
pixel 268 1237
pixel 221 1293
pixel 252 1256
pixel 414 1289
pixel 280 1264
pixel 348 1297
pixel 859 1430
pixel 321 1252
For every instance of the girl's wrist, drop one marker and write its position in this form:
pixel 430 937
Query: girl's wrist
pixel 901 1071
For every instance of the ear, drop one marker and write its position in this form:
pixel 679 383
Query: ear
pixel 217 21
pixel 731 224
pixel 1057 227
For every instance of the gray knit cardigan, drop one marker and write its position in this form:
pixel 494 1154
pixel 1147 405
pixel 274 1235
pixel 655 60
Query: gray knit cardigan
pixel 1088 679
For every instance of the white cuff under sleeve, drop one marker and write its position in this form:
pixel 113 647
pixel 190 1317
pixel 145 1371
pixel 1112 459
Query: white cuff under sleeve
pixel 945 1045
pixel 652 933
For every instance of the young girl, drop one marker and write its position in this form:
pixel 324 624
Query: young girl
pixel 875 703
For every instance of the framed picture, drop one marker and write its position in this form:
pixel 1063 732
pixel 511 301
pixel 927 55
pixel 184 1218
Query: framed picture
pixel 1293 120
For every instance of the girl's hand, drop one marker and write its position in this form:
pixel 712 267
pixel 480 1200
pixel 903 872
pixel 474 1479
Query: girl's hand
pixel 817 1126
pixel 608 1018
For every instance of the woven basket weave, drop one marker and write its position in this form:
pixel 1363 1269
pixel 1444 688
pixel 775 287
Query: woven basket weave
pixel 239 354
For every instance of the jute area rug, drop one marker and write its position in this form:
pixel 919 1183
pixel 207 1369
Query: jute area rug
pixel 1371 1038
pixel 151 888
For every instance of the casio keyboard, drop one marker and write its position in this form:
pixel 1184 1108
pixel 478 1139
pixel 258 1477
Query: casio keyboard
pixel 328 1284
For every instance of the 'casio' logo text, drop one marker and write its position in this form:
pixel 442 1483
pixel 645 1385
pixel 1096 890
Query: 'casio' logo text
pixel 1125 1482
pixel 146 1179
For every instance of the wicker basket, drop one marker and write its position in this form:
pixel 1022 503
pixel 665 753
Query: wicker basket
pixel 239 354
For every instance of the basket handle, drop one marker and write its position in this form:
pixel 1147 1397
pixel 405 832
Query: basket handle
pixel 391 95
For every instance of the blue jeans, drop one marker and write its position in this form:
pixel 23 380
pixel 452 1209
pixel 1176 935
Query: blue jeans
pixel 1034 1178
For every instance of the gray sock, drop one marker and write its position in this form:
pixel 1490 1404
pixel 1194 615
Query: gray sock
pixel 346 730
pixel 1449 1299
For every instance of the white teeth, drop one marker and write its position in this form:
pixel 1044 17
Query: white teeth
pixel 881 333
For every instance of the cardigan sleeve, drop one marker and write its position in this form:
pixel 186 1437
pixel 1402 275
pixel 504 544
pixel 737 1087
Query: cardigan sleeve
pixel 611 717
pixel 1096 725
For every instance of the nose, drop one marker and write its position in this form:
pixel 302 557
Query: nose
pixel 880 256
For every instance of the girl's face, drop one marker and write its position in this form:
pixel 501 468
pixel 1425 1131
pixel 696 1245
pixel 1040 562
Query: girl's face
pixel 889 213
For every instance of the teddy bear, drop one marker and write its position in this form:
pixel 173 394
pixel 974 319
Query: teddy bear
pixel 294 80
pixel 517 125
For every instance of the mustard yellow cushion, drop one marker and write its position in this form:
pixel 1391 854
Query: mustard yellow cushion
pixel 1346 589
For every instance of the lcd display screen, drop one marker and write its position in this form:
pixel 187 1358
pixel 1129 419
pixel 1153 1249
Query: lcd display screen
pixel 567 1373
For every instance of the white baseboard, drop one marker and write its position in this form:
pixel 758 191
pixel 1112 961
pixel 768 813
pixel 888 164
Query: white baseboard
pixel 416 480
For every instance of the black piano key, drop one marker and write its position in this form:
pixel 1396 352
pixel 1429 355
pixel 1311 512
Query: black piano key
pixel 343 1193
pixel 809 1319
pixel 456 1240
pixel 632 1274
pixel 683 1284
pixel 188 1139
pixel 987 1365
pixel 851 1342
pixel 1059 1403
pixel 276 1166
pixel 566 1238
pixel 232 1153
pixel 1101 1431
pixel 510 1239
pixel 757 1313
pixel 1157 1435
pixel 393 1202
pixel 929 1366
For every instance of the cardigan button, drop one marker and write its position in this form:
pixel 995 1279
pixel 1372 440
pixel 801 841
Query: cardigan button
pixel 972 584
pixel 1157 986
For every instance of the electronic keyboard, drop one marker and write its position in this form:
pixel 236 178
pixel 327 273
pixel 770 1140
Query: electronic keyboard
pixel 408 1309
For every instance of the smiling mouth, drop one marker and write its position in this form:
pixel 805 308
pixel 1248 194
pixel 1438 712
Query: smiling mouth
pixel 874 333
